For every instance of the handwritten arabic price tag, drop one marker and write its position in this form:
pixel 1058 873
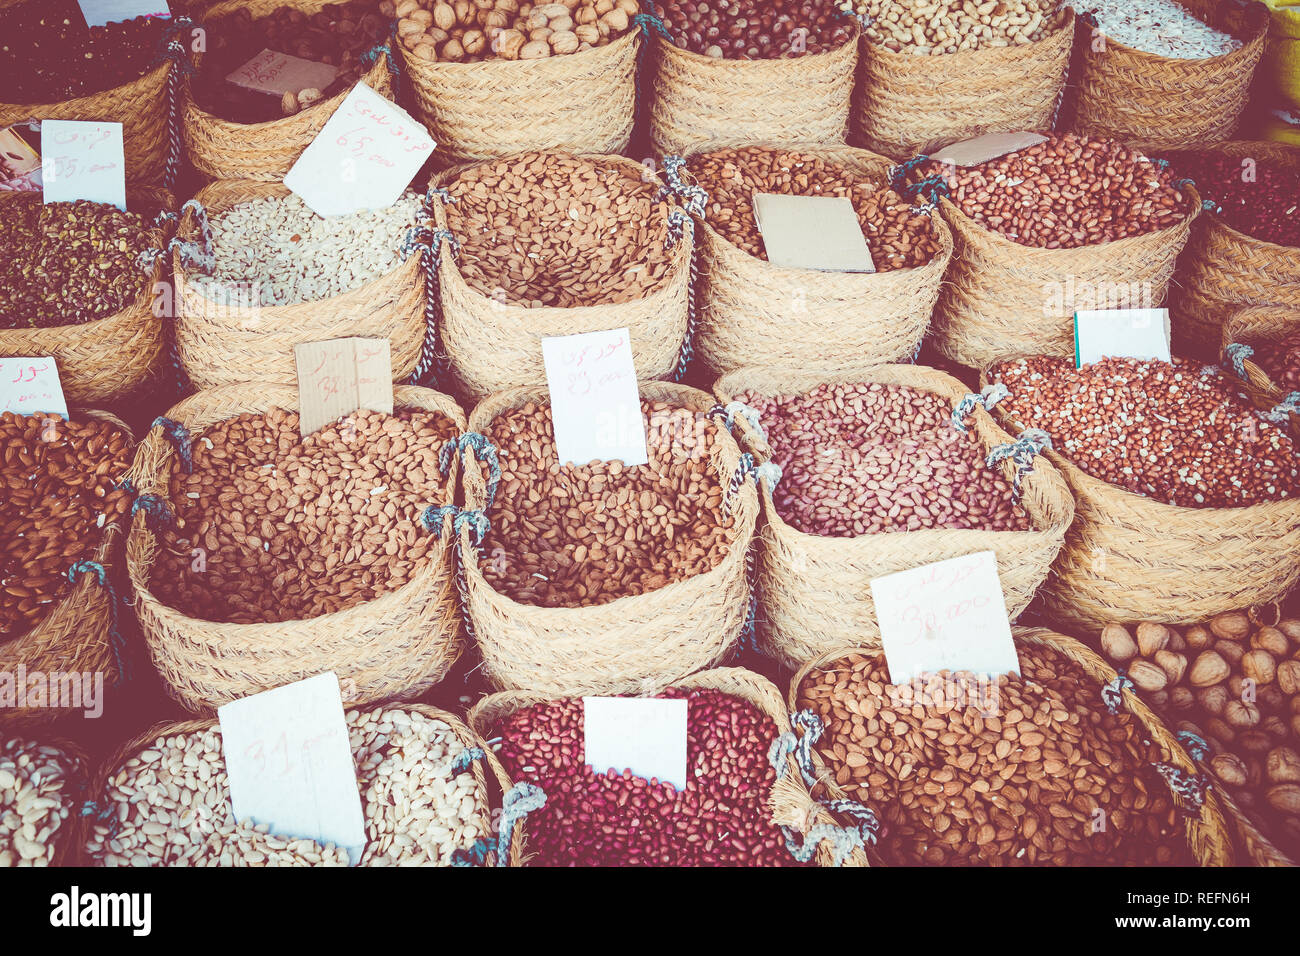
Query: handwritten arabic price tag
pixel 100 12
pixel 289 763
pixel 30 386
pixel 280 73
pixel 595 403
pixel 337 377
pixel 643 734
pixel 83 160
pixel 946 616
pixel 367 153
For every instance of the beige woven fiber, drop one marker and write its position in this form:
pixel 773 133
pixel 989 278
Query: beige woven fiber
pixel 1261 327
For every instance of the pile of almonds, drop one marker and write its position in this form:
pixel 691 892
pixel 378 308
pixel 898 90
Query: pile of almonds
pixel 868 458
pixel 1031 772
pixel 545 229
pixel 274 527
pixel 897 237
pixel 171 803
pixel 58 489
pixel 582 535
pixel 38 794
pixel 1236 684
pixel 458 31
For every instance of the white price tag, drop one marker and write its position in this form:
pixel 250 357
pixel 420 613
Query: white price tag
pixel 644 735
pixel 363 158
pixel 981 149
pixel 290 763
pixel 594 399
pixel 812 232
pixel 30 386
pixel 100 12
pixel 83 160
pixel 1141 334
pixel 946 616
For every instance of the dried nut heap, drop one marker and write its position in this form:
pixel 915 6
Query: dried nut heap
pixel 37 799
pixel 274 527
pixel 1259 197
pixel 68 262
pixel 576 536
pixel 1034 772
pixel 1281 362
pixel 337 34
pixel 935 27
pixel 465 32
pixel 1068 192
pixel 172 802
pixel 1235 684
pixel 49 55
pixel 1180 434
pixel 58 488
pixel 871 458
pixel 898 237
pixel 613 819
pixel 542 229
pixel 276 251
pixel 1162 27
pixel 755 29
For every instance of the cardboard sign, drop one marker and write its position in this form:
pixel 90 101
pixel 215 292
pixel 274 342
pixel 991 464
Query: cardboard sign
pixel 338 377
pixel 644 735
pixel 1121 333
pixel 17 156
pixel 83 160
pixel 280 73
pixel 981 149
pixel 946 616
pixel 100 12
pixel 30 386
pixel 812 232
pixel 365 156
pixel 595 404
pixel 290 763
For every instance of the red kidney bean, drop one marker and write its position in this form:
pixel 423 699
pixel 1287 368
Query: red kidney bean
pixel 1256 196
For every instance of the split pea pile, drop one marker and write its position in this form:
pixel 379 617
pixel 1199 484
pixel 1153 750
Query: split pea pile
pixel 38 793
pixel 170 804
pixel 936 27
pixel 869 458
pixel 274 527
pixel 1032 772
pixel 576 536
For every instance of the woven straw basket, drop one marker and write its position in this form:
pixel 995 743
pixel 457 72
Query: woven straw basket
pixel 1153 102
pixel 755 313
pixel 223 149
pixel 106 360
pixel 223 345
pixel 998 298
pixel 396 646
pixel 1223 269
pixel 494 346
pixel 1260 850
pixel 1207 835
pixel 698 99
pixel 906 104
pixel 66 838
pixel 814 591
pixel 1128 557
pixel 489 788
pixel 790 803
pixel 76 635
pixel 1260 327
pixel 579 103
pixel 633 645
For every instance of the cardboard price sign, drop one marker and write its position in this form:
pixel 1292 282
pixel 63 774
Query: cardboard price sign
pixel 595 403
pixel 280 73
pixel 812 232
pixel 83 160
pixel 338 377
pixel 981 149
pixel 643 734
pixel 31 386
pixel 1141 334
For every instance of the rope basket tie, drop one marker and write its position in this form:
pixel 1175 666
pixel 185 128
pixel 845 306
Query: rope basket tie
pixel 178 54
pixel 811 727
pixel 484 452
pixel 989 396
pixel 178 436
pixel 1284 409
pixel 433 359
pixel 1031 443
pixel 1237 353
pixel 519 801
pixel 157 512
pixel 116 641
pixel 695 198
pixel 1112 694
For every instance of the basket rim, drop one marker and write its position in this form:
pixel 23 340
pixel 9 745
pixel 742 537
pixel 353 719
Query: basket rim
pixel 1229 148
pixel 1250 39
pixel 88 100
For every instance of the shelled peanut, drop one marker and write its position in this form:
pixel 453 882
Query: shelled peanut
pixel 936 27
pixel 1236 684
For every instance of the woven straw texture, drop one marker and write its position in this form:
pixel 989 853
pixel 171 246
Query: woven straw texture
pixel 66 838
pixel 1132 558
pixel 1153 102
pixel 222 149
pixel 754 313
pixel 814 591
pixel 790 802
pixel 396 646
pixel 1260 327
pixel 633 645
pixel 1223 269
pixel 495 346
pixel 1005 300
pixel 224 345
pixel 74 636
pixel 905 104
pixel 698 99
pixel 489 788
pixel 1259 849
pixel 106 360
pixel 1207 836
pixel 578 103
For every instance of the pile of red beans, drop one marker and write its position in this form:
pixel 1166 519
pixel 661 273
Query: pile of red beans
pixel 1281 362
pixel 1259 197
